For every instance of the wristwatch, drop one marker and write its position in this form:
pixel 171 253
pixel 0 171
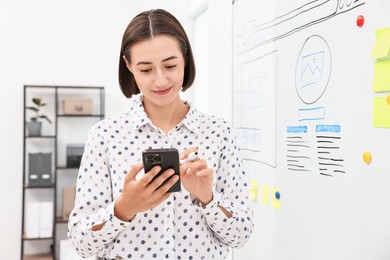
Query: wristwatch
pixel 196 202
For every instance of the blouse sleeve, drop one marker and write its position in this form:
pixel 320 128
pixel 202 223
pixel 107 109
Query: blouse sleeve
pixel 94 202
pixel 231 192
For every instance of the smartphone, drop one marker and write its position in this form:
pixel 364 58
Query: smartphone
pixel 166 158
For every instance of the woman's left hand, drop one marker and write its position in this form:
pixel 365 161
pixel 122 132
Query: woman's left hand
pixel 196 177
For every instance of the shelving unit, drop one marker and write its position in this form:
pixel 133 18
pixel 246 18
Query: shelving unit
pixel 66 128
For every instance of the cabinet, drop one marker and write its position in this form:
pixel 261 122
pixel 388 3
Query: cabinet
pixel 51 160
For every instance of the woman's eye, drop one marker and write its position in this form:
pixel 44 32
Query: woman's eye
pixel 170 67
pixel 145 70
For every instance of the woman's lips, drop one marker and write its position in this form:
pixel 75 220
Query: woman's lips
pixel 163 92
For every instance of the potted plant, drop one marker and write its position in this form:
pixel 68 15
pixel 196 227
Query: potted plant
pixel 34 126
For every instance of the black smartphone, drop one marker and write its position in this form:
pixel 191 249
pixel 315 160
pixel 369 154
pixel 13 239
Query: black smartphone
pixel 166 158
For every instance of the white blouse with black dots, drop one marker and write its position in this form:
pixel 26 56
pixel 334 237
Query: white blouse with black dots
pixel 177 228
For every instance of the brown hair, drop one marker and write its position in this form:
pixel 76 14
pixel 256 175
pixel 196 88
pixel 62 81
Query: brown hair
pixel 147 25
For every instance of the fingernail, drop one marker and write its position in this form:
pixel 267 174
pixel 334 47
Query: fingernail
pixel 188 171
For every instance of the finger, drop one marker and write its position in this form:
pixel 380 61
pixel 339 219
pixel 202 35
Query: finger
pixel 149 176
pixel 156 183
pixel 199 164
pixel 170 182
pixel 184 168
pixel 205 172
pixel 135 169
pixel 195 166
pixel 186 152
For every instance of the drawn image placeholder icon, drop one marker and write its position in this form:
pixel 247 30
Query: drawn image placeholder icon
pixel 313 69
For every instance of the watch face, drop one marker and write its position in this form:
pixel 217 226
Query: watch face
pixel 200 204
pixel 196 202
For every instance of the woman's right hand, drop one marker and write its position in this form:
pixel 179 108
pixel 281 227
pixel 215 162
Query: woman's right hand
pixel 143 194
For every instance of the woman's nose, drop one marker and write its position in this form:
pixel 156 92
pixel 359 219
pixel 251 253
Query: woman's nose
pixel 160 78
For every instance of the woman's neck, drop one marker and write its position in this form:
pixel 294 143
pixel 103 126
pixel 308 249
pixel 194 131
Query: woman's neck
pixel 166 117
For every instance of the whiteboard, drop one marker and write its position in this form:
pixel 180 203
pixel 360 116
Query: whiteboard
pixel 304 110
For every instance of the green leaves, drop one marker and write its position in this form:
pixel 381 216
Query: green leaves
pixel 38 105
pixel 38 102
pixel 45 117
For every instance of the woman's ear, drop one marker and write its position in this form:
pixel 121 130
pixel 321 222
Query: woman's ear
pixel 127 63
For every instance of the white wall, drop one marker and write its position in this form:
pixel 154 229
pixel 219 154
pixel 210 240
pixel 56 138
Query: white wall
pixel 77 43
pixel 220 58
pixel 56 43
pixel 212 45
pixel 218 35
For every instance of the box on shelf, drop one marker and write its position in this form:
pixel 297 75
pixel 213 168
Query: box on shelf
pixel 77 106
pixel 39 219
pixel 74 152
pixel 69 194
pixel 39 169
pixel 46 219
pixel 32 220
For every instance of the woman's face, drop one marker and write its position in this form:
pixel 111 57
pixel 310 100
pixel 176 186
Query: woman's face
pixel 158 68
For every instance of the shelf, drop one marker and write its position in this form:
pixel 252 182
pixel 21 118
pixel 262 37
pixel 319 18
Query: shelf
pixel 66 87
pixel 67 168
pixel 45 256
pixel 80 116
pixel 50 186
pixel 61 220
pixel 36 238
pixel 54 139
pixel 41 136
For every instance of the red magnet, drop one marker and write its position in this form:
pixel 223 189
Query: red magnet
pixel 360 20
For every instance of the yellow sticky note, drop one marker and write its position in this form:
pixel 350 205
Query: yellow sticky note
pixel 381 113
pixel 381 76
pixel 275 198
pixel 382 43
pixel 265 194
pixel 253 190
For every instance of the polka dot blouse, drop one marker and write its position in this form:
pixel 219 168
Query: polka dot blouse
pixel 178 228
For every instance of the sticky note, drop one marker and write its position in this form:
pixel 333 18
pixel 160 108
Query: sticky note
pixel 382 43
pixel 265 194
pixel 381 76
pixel 381 113
pixel 276 198
pixel 253 190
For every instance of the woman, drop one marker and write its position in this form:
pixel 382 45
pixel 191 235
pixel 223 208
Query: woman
pixel 128 214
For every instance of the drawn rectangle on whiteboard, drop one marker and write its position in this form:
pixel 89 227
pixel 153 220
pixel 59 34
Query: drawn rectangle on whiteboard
pixel 255 108
pixel 316 113
pixel 249 139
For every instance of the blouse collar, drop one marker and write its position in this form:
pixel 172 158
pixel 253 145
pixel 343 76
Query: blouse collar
pixel 139 118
